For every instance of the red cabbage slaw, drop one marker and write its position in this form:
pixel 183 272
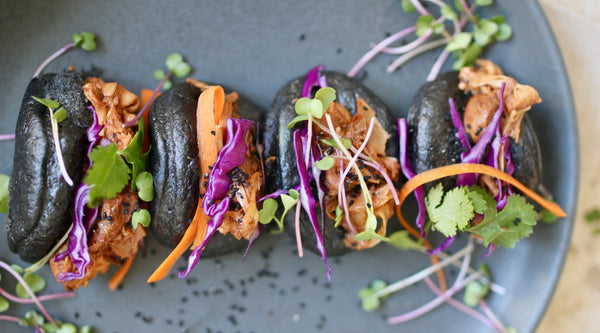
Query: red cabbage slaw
pixel 83 216
pixel 231 156
pixel 490 140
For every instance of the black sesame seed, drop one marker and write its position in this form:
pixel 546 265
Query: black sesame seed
pixel 213 133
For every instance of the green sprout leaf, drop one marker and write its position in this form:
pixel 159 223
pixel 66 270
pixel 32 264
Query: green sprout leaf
pixel 108 175
pixel 4 304
pixel 504 33
pixel 468 56
pixel 142 217
pixel 17 268
pixel 454 213
pixel 296 120
pixel 459 5
pixel 302 106
pixel 86 40
pixel 474 291
pixel 347 143
pixel 338 216
pixel 173 60
pixel 369 300
pixel 159 74
pixel 35 282
pixel 133 155
pixel 182 70
pixel 401 240
pixel 459 42
pixel 267 213
pixel 145 186
pixel 167 85
pixel 60 115
pixel 449 13
pixel 482 3
pixel 369 234
pixel 4 180
pixel 289 201
pixel 85 329
pixel 424 23
pixel 32 319
pixel 47 102
pixel 316 108
pixel 326 95
pixel 408 6
pixel 325 163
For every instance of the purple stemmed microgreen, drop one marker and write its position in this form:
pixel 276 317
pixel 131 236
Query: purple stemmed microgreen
pixel 432 32
pixel 6 137
pixel 57 114
pixel 178 67
pixel 85 40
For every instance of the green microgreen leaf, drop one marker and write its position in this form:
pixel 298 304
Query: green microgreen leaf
pixel 32 319
pixel 506 227
pixel 60 114
pixel 369 300
pixel 504 33
pixel 86 40
pixel 182 70
pixel 133 155
pixel 326 95
pixel 460 42
pixel 338 215
pixel 4 180
pixel 17 268
pixel 482 3
pixel 85 329
pixel 547 217
pixel 296 120
pixel 316 108
pixel 347 143
pixel 453 213
pixel 498 19
pixel 4 304
pixel 267 213
pixel 369 234
pixel 475 291
pixel 468 56
pixel 108 175
pixel 289 201
pixel 302 106
pixel 173 60
pixel 449 13
pixel 408 6
pixel 145 186
pixel 325 163
pixel 167 85
pixel 424 23
pixel 142 217
pixel 459 5
pixel 35 282
pixel 47 102
pixel 67 328
pixel 401 239
pixel 50 328
pixel 159 74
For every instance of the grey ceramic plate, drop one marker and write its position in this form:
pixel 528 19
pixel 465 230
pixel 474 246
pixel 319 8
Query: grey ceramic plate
pixel 256 47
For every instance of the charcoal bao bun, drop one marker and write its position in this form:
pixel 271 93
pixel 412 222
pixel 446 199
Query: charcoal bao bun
pixel 431 135
pixel 279 143
pixel 174 164
pixel 41 202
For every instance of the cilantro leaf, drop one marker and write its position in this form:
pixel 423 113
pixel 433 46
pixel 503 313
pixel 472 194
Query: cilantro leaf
pixel 480 199
pixel 108 175
pixel 455 212
pixel 133 154
pixel 4 179
pixel 513 222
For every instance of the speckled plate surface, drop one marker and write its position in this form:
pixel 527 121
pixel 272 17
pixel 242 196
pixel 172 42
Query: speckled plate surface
pixel 255 47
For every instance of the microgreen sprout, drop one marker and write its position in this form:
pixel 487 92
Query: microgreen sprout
pixel 54 120
pixel 4 180
pixel 6 137
pixel 84 40
pixel 432 32
pixel 178 67
pixel 142 217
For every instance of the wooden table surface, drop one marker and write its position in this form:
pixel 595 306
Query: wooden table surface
pixel 575 306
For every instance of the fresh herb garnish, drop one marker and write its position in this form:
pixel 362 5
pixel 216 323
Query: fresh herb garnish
pixel 108 175
pixel 85 40
pixel 142 217
pixel 4 180
pixel 176 66
pixel 134 156
pixel 54 120
pixel 464 41
pixel 270 206
pixel 145 186
pixel 35 282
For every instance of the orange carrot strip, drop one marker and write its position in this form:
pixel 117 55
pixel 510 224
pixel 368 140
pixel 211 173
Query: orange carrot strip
pixel 183 245
pixel 455 169
pixel 210 104
pixel 116 279
pixel 202 221
pixel 145 95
